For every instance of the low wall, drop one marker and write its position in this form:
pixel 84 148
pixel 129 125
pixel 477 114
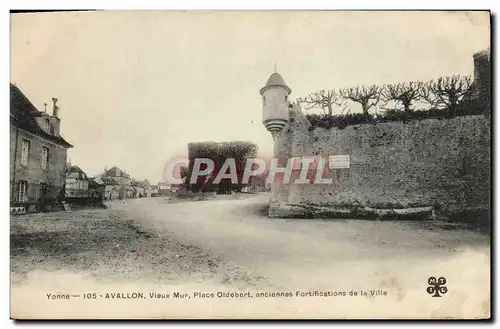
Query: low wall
pixel 443 164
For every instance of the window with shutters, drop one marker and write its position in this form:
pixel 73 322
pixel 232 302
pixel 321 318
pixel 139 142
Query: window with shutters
pixel 45 158
pixel 25 150
pixel 22 188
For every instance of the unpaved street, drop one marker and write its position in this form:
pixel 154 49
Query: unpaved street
pixel 231 243
pixel 304 253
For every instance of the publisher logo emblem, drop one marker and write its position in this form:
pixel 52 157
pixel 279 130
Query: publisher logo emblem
pixel 437 287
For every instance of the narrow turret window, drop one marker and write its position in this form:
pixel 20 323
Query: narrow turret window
pixel 264 100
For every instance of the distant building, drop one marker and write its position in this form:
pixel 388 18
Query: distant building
pixel 153 190
pixel 97 188
pixel 125 189
pixel 112 189
pixel 119 175
pixel 147 188
pixel 77 183
pixel 164 188
pixel 140 189
pixel 37 152
pixel 167 189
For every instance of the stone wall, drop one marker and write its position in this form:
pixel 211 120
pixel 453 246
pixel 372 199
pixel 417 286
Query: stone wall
pixel 443 164
pixel 54 176
pixel 482 74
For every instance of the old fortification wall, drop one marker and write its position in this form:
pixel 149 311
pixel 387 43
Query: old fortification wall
pixel 435 166
pixel 444 164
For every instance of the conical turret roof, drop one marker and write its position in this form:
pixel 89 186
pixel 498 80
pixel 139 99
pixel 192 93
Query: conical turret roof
pixel 275 80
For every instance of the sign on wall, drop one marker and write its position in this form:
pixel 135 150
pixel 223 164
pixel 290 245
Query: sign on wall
pixel 339 161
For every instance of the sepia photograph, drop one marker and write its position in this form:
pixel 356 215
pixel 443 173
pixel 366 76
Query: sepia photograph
pixel 261 164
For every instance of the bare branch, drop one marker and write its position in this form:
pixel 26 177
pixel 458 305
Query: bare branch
pixel 367 96
pixel 406 93
pixel 326 100
pixel 448 92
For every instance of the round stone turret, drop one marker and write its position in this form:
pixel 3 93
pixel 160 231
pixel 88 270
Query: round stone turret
pixel 482 75
pixel 275 103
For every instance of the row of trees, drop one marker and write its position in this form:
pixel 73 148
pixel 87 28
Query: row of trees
pixel 444 93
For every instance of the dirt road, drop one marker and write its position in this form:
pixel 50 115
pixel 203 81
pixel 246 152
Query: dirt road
pixel 231 243
pixel 304 253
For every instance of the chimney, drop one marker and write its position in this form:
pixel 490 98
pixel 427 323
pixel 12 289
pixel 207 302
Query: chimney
pixel 56 122
pixel 55 108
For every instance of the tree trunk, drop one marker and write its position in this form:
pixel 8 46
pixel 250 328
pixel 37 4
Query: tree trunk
pixel 407 107
pixel 365 108
pixel 452 109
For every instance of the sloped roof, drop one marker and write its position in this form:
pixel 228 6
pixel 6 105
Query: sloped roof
pixel 139 183
pixel 116 172
pixel 76 172
pixel 144 183
pixel 109 180
pixel 98 180
pixel 275 80
pixel 95 182
pixel 23 114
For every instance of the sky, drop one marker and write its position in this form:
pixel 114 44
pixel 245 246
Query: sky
pixel 134 87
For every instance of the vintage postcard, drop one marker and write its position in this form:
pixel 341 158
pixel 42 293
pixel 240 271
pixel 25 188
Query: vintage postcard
pixel 250 165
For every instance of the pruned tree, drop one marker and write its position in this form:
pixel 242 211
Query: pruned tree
pixel 447 92
pixel 326 100
pixel 241 151
pixel 406 93
pixel 367 96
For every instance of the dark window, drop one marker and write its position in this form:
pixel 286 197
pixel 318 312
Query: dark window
pixel 43 189
pixel 46 125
